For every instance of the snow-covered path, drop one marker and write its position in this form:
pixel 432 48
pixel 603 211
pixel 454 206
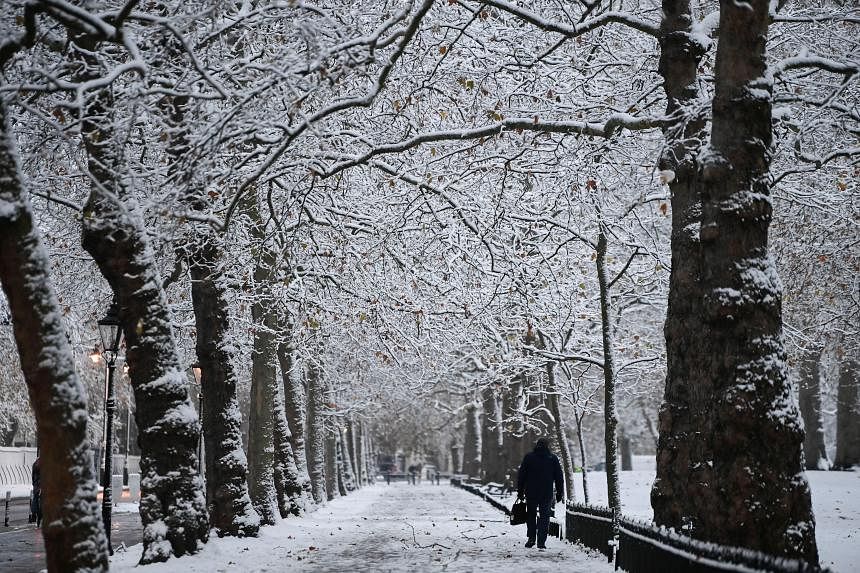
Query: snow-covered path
pixel 385 528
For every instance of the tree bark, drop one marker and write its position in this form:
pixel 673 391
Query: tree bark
pixel 809 400
pixel 560 433
pixel 848 415
pixel 514 420
pixel 610 413
pixel 230 509
pixel 683 485
pixel 264 385
pixel 288 485
pixel 341 465
pixel 315 442
pixel 349 481
pixel 455 457
pixel 582 456
pixel 492 445
pixel 295 405
pixel 331 489
pixel 626 451
pixel 372 457
pixel 172 506
pixel 472 442
pixel 73 533
pixel 764 496
pixel 354 452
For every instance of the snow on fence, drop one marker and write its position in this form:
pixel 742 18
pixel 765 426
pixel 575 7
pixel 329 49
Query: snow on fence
pixel 646 548
pixel 642 547
pixel 458 482
pixel 591 526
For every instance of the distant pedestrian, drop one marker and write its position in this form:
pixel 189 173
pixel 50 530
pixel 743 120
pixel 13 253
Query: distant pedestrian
pixel 412 474
pixel 36 498
pixel 539 470
pixel 437 477
pixel 419 469
pixel 388 477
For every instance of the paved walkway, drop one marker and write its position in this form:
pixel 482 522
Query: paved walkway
pixel 384 529
pixel 22 549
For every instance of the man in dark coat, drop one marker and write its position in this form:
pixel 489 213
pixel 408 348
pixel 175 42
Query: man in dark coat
pixel 539 470
pixel 36 498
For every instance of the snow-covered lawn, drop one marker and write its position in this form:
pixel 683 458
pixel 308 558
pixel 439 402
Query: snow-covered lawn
pixel 385 528
pixel 835 499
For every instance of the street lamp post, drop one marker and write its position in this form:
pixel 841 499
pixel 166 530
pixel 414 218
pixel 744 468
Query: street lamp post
pixel 127 429
pixel 198 375
pixel 111 335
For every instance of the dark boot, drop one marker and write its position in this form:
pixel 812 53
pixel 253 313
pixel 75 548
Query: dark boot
pixel 530 542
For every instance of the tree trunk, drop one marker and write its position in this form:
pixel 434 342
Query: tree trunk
pixel 261 449
pixel 264 385
pixel 492 431
pixel 356 428
pixel 683 485
pixel 230 509
pixel 370 455
pixel 559 430
pixel 848 415
pixel 764 497
pixel 354 452
pixel 330 429
pixel 349 481
pixel 472 442
pixel 455 457
pixel 341 465
pixel 295 405
pixel 610 413
pixel 288 485
pixel 172 506
pixel 365 455
pixel 515 440
pixel 316 433
pixel 626 452
pixel 582 456
pixel 74 535
pixel 809 400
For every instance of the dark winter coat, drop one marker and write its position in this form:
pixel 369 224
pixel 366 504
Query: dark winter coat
pixel 37 474
pixel 540 468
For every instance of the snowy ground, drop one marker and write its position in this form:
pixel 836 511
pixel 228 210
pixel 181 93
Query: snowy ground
pixel 385 529
pixel 835 500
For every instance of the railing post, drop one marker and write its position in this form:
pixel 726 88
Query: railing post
pixel 613 542
pixel 6 514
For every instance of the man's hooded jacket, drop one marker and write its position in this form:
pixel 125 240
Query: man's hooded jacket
pixel 539 470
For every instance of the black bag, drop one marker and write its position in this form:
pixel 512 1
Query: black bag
pixel 554 528
pixel 518 512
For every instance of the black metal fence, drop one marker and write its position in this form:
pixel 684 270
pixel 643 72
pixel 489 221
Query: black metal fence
pixel 458 482
pixel 591 526
pixel 645 548
pixel 638 547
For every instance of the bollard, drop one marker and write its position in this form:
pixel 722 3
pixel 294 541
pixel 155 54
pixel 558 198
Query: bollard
pixel 6 515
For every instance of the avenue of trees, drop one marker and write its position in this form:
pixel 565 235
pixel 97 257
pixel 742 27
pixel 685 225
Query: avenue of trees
pixel 434 228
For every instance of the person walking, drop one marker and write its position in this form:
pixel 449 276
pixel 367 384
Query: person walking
pixel 36 500
pixel 538 472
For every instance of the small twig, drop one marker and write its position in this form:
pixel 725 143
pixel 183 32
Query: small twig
pixel 418 545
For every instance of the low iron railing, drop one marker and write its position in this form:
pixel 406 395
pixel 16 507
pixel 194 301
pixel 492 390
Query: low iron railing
pixel 638 547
